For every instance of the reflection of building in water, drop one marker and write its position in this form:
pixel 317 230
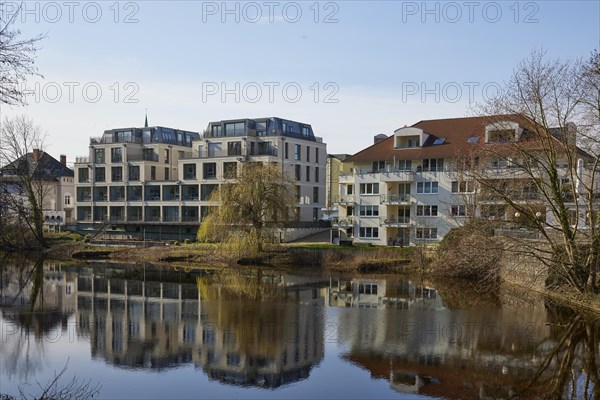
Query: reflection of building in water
pixel 374 293
pixel 156 325
pixel 49 285
pixel 453 354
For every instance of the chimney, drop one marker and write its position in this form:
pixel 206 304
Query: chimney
pixel 36 155
pixel 379 138
pixel 63 159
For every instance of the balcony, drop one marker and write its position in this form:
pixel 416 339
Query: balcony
pixel 343 200
pixel 395 199
pixel 343 222
pixel 395 221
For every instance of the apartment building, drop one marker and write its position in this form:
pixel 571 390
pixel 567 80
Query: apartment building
pixel 412 187
pixel 130 178
pixel 158 181
pixel 227 144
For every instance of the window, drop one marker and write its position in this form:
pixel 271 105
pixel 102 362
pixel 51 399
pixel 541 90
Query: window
pixel 413 142
pixel 116 154
pixel 307 173
pixel 230 170
pixel 209 171
pixel 287 150
pixel 369 233
pixel 298 172
pixel 167 174
pixel 99 174
pixel 99 156
pixel 217 131
pixel 234 129
pixel 315 214
pixel 473 139
pixel 298 193
pixel 315 195
pixel 462 186
pixel 439 141
pixel 150 155
pixel 316 154
pixel 369 188
pixel 433 164
pixel 316 174
pixel 501 136
pixel 426 233
pixel 427 187
pixel 297 152
pixel 369 211
pixel 84 174
pixel 458 211
pixel 152 173
pixel 404 165
pixel 67 199
pixel 189 171
pixel 378 166
pixel 367 288
pixel 234 148
pixel 116 174
pixel 206 191
pixel 305 131
pixel 134 172
pixel 350 211
pixel 427 211
pixel 166 156
pixel 307 153
pixel 350 189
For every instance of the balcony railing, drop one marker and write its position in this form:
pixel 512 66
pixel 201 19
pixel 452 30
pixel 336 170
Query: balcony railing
pixel 347 199
pixel 343 222
pixel 395 198
pixel 394 221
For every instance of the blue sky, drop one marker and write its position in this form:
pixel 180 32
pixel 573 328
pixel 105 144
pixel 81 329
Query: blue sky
pixel 353 69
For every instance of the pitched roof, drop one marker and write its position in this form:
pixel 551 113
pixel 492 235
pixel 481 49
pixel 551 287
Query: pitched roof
pixel 47 168
pixel 455 131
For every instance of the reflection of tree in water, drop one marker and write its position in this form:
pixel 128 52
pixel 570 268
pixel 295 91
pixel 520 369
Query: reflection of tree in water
pixel 29 324
pixel 260 338
pixel 570 367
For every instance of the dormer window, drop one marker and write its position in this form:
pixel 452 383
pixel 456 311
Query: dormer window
pixel 502 132
pixel 501 136
pixel 412 142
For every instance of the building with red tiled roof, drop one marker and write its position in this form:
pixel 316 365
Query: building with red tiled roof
pixel 410 187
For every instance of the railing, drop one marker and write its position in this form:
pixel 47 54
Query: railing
pixel 84 198
pixel 189 218
pixel 134 218
pixel 154 196
pixel 171 218
pixel 190 197
pixel 395 198
pixel 82 160
pixel 142 157
pixel 394 221
pixel 348 221
pixel 343 199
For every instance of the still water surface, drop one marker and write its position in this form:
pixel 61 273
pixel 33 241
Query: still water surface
pixel 148 333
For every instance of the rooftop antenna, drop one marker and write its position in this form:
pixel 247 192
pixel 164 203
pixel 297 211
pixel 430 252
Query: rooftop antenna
pixel 146 121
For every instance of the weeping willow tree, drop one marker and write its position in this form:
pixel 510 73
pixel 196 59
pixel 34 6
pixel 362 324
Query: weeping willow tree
pixel 248 208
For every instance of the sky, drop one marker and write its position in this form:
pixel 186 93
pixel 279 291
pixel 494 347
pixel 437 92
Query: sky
pixel 351 69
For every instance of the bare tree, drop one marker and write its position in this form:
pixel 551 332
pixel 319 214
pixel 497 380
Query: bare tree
pixel 249 206
pixel 17 56
pixel 542 169
pixel 24 182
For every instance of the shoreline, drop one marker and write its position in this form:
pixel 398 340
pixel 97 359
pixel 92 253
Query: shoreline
pixel 300 257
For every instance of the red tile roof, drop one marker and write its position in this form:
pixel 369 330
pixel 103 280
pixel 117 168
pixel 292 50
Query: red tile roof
pixel 456 131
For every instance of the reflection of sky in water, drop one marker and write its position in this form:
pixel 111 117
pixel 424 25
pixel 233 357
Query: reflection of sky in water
pixel 333 377
pixel 371 342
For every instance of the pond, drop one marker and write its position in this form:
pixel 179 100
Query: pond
pixel 136 332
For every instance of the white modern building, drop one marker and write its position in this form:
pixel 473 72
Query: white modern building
pixel 412 187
